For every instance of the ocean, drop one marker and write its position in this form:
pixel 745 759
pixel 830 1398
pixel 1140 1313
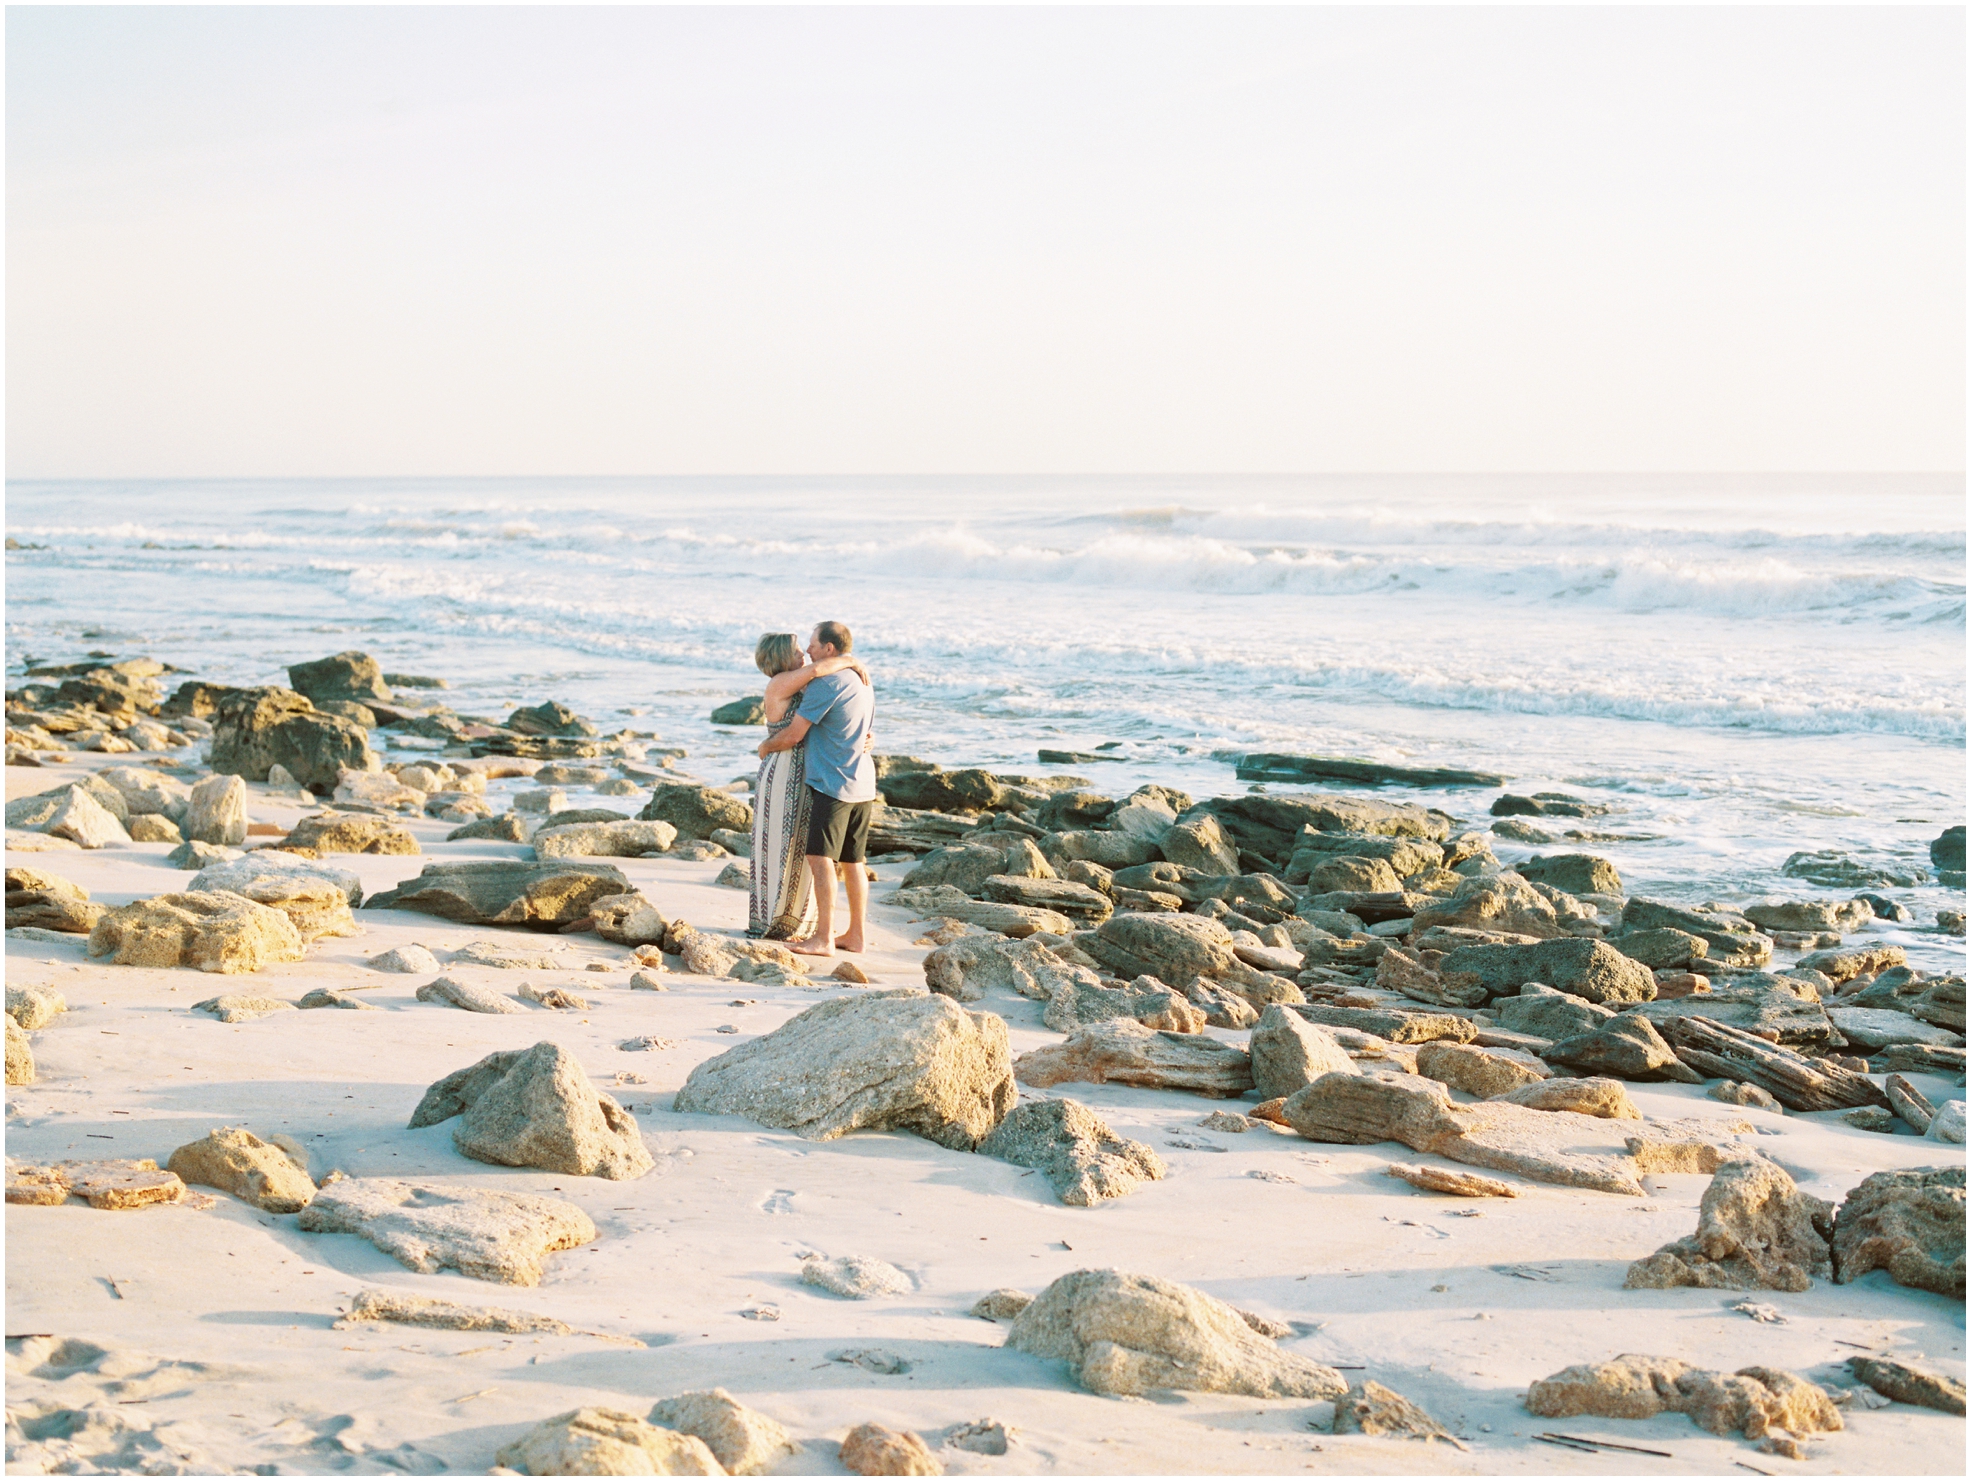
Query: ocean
pixel 1742 666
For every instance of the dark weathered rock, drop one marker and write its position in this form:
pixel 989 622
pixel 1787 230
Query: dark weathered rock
pixel 967 791
pixel 1547 805
pixel 549 718
pixel 512 892
pixel 1074 1149
pixel 1572 964
pixel 1909 1223
pixel 344 676
pixel 1733 941
pixel 1627 1047
pixel 1801 1084
pixel 1663 946
pixel 1275 766
pixel 1549 1014
pixel 256 729
pixel 1947 849
pixel 697 812
pixel 748 711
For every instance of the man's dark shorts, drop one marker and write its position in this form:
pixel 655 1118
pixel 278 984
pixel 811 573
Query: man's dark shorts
pixel 838 830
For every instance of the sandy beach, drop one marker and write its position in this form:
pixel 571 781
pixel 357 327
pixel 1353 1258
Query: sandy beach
pixel 202 1335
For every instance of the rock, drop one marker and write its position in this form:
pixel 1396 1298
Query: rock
pixel 1654 1154
pixel 214 931
pixel 122 1182
pixel 606 1442
pixel 967 866
pixel 1018 921
pixel 1739 1093
pixel 1087 907
pixel 1521 832
pixel 854 1276
pixel 1074 1149
pixel 1907 1385
pixel 1481 1072
pixel 1500 902
pixel 1450 1180
pixel 1755 1231
pixel 1230 1121
pixel 696 812
pixel 1360 1109
pixel 1113 851
pixel 404 959
pixel 1731 940
pixel 1127 1053
pixel 1755 1400
pixel 535 1108
pixel 1627 1047
pixel 241 1007
pixel 981 1437
pixel 256 729
pixel 196 855
pixel 748 711
pixel 1584 968
pixel 1846 962
pixel 503 827
pixel 628 920
pixel 1272 766
pixel 884 1060
pixel 376 790
pixel 935 790
pixel 1200 843
pixel 466 995
pixel 549 800
pixel 553 997
pixel 1948 1124
pixel 745 1441
pixel 503 892
pixel 874 1450
pixel 426 1311
pixel 550 717
pixel 1662 947
pixel 20 1056
pixel 972 965
pixel 1910 1223
pixel 1546 804
pixel 234 1160
pixel 70 812
pixel 625 840
pixel 1001 1305
pixel 1128 1334
pixel 735 877
pixel 1221 1007
pixel 1370 1409
pixel 1398 971
pixel 1577 874
pixel 315 899
pixel 27 1183
pixel 38 898
pixel 1810 915
pixel 149 828
pixel 484 1234
pixel 1942 1004
pixel 1347 872
pixel 1394 1024
pixel 352 833
pixel 1592 1096
pixel 1166 947
pixel 1077 1004
pixel 1288 1053
pixel 328 997
pixel 1547 1013
pixel 345 676
pixel 34 1007
pixel 1869 1029
pixel 146 792
pixel 24 841
pixel 502 958
pixel 1839 869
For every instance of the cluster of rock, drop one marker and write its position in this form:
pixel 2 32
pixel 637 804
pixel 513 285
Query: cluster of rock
pixel 105 705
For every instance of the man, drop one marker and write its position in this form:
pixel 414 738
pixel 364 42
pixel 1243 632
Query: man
pixel 834 721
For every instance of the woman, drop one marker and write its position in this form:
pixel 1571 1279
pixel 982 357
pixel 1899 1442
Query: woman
pixel 782 905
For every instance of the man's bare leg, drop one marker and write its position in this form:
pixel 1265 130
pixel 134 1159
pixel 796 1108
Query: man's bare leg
pixel 821 871
pixel 855 880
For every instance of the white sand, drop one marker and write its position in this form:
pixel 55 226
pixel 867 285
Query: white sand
pixel 220 1319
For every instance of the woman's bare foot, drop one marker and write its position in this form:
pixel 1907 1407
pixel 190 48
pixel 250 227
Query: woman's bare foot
pixel 812 946
pixel 849 942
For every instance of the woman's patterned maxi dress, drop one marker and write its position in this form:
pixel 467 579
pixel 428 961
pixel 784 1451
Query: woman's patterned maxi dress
pixel 782 906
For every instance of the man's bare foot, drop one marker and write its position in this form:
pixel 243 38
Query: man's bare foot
pixel 849 943
pixel 812 946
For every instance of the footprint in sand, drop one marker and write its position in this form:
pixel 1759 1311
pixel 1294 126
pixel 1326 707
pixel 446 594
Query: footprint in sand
pixel 780 1201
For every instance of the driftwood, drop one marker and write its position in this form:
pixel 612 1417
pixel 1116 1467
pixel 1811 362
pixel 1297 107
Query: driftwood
pixel 1719 1051
pixel 1910 1103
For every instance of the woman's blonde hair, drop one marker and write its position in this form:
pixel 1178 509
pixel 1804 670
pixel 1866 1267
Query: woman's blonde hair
pixel 777 653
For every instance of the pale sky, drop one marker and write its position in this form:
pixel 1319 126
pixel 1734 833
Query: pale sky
pixel 310 241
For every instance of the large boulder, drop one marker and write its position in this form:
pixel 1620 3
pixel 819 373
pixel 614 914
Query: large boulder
pixel 967 968
pixel 1360 1109
pixel 1574 964
pixel 312 895
pixel 593 1441
pixel 1498 902
pixel 1731 940
pixel 1170 948
pixel 1633 1386
pixel 624 840
pixel 1947 849
pixel 967 866
pixel 696 812
pixel 482 1233
pixel 343 676
pixel 1910 1223
pixel 506 892
pixel 935 790
pixel 1755 1231
pixel 212 930
pixel 535 1108
pixel 1354 873
pixel 256 729
pixel 1626 1047
pixel 1124 1052
pixel 234 1160
pixel 1074 1149
pixel 1289 1053
pixel 888 1060
pixel 1131 1334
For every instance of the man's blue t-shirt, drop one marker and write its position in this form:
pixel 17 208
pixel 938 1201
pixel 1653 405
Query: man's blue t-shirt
pixel 841 709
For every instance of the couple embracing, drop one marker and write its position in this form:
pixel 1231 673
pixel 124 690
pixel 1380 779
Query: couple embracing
pixel 815 792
